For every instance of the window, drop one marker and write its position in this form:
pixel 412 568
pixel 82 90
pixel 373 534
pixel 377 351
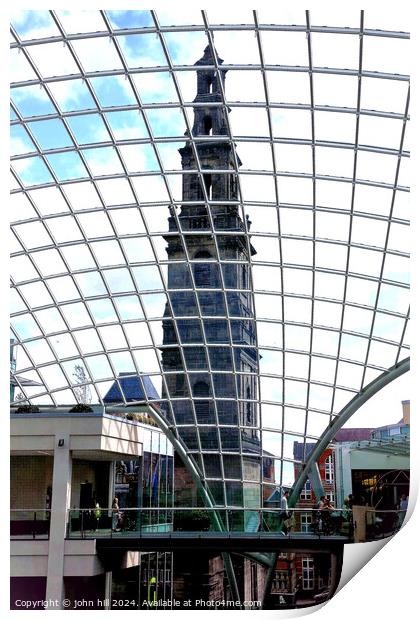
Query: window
pixel 281 581
pixel 331 496
pixel 244 277
pixel 210 83
pixel 199 222
pixel 201 388
pixel 208 125
pixel 233 187
pixel 306 491
pixel 248 407
pixel 202 271
pixel 329 469
pixel 179 385
pixel 202 407
pixel 308 574
pixel 208 185
pixel 305 522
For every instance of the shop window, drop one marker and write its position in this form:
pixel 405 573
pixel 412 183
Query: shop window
pixel 308 574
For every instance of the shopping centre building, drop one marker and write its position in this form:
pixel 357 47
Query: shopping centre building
pixel 209 279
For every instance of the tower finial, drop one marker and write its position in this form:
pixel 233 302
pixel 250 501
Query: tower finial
pixel 207 58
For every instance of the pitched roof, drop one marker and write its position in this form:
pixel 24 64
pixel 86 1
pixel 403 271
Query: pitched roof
pixel 132 387
pixel 352 434
pixel 298 450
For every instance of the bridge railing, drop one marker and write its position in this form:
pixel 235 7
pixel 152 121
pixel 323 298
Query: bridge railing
pixel 30 523
pixel 105 522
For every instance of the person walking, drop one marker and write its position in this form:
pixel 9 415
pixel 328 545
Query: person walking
pixel 284 512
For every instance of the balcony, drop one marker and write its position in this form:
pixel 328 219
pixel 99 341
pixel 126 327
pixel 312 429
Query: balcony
pixel 30 524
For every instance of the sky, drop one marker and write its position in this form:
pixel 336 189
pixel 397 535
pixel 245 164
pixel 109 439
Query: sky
pixel 107 166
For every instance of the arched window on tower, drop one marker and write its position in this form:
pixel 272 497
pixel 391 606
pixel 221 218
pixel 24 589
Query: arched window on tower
pixel 244 277
pixel 248 407
pixel 233 189
pixel 202 407
pixel 208 125
pixel 208 185
pixel 202 271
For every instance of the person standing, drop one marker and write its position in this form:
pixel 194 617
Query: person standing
pixel 402 507
pixel 115 514
pixel 96 516
pixel 322 502
pixel 346 510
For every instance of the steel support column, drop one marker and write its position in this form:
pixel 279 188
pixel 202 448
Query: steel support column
pixel 204 492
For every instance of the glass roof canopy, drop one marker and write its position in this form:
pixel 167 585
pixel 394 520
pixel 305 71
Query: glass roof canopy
pixel 101 103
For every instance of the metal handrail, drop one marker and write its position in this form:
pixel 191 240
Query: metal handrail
pixel 33 518
pixel 207 509
pixel 261 521
pixel 30 509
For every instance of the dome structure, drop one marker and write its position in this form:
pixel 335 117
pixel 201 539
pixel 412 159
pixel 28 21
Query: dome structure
pixel 225 239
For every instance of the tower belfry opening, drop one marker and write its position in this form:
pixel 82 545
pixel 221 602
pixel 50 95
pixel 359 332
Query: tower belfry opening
pixel 208 125
pixel 208 185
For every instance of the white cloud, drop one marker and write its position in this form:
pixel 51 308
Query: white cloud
pixel 82 195
pixel 53 59
pixel 97 54
pixel 81 21
pixel 33 24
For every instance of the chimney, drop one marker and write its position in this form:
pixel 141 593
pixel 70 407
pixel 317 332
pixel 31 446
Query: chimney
pixel 406 411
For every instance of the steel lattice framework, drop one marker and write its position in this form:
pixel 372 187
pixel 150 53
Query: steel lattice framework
pixel 318 115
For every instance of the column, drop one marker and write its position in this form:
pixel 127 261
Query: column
pixel 111 483
pixel 108 589
pixel 343 478
pixel 359 523
pixel 61 488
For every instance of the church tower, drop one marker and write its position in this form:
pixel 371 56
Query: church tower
pixel 212 305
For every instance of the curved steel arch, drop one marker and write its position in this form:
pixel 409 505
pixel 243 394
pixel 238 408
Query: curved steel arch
pixel 201 487
pixel 370 390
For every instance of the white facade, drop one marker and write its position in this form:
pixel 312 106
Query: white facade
pixel 61 451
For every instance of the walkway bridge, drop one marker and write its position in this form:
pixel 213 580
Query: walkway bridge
pixel 230 529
